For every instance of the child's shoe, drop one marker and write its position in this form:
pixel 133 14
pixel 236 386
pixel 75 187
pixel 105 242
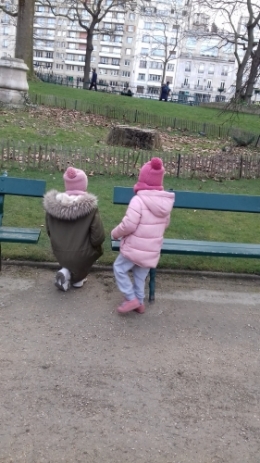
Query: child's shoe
pixel 140 309
pixel 128 306
pixel 62 279
pixel 80 283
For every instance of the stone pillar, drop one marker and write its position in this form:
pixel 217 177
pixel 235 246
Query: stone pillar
pixel 13 81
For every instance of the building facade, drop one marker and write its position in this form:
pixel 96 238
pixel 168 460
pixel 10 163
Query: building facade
pixel 136 48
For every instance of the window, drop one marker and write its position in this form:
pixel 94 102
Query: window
pixel 93 58
pixel 103 60
pixel 72 46
pixel 158 39
pixel 132 16
pixel 222 84
pixel 146 38
pixel 141 77
pixel 49 54
pixel 154 90
pixel 156 65
pixel 208 49
pixel 160 26
pixel 211 69
pixel 168 79
pixel 106 38
pixel 158 52
pixel 188 66
pixel 6 30
pixel 191 42
pixel 144 51
pixel 72 34
pixel 70 67
pixel 105 49
pixel 5 44
pixel 38 54
pixel 128 51
pixel 107 25
pixel 224 71
pixel 117 38
pixel 119 27
pixel 143 64
pixel 201 68
pixel 80 68
pixel 140 89
pixel 116 51
pixel 154 77
pixel 40 8
pixel 129 39
pixel 59 66
pixel 130 28
pixel 127 62
pixel 170 67
pixel 147 25
pixel 186 81
pixel 115 61
pixel 114 73
pixel 209 84
pixel 126 73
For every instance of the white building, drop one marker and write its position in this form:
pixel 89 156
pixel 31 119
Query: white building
pixel 134 50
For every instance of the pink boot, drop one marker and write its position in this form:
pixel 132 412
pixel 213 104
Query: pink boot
pixel 128 306
pixel 140 309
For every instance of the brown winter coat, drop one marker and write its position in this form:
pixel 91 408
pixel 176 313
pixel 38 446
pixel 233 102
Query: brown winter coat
pixel 75 229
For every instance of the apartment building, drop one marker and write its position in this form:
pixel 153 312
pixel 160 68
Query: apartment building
pixel 204 69
pixel 134 48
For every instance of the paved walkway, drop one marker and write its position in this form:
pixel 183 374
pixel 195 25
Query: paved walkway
pixel 79 383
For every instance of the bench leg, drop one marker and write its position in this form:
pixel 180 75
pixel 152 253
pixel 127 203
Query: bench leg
pixel 152 284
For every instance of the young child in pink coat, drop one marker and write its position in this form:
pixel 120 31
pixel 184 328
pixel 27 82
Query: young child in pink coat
pixel 141 232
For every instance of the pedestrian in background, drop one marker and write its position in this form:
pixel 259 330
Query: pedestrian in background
pixel 93 82
pixel 165 92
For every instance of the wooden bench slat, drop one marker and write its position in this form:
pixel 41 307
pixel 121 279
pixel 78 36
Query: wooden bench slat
pixel 19 235
pixel 198 200
pixel 202 248
pixel 22 186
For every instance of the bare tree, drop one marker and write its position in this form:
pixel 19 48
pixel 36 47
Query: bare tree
pixel 89 15
pixel 24 12
pixel 240 21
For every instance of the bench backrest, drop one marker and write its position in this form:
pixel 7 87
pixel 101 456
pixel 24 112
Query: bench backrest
pixel 197 200
pixel 20 187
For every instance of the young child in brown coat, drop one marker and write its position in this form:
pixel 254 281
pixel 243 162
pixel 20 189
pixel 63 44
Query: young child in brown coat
pixel 75 229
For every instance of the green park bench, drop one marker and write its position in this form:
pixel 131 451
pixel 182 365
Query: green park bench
pixel 19 187
pixel 196 201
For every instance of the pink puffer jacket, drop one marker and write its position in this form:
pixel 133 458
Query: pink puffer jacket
pixel 142 228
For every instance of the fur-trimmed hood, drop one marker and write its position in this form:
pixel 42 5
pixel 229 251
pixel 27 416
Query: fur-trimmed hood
pixel 65 207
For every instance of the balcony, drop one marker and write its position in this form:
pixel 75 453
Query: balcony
pixel 185 85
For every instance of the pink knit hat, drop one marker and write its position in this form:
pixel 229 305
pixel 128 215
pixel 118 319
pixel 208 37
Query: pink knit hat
pixel 75 181
pixel 151 176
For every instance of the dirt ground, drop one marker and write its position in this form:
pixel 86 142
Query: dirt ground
pixel 80 383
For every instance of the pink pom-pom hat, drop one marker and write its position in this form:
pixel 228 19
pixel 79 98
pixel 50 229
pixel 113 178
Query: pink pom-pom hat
pixel 151 176
pixel 75 180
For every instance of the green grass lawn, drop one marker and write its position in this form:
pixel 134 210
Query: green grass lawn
pixel 245 122
pixel 204 225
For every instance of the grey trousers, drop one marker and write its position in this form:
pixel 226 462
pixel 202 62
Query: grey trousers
pixel 130 290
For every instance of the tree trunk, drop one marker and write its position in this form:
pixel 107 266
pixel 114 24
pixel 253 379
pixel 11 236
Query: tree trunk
pixel 253 74
pixel 89 49
pixel 24 33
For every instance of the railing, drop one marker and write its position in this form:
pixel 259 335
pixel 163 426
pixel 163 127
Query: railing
pixel 114 161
